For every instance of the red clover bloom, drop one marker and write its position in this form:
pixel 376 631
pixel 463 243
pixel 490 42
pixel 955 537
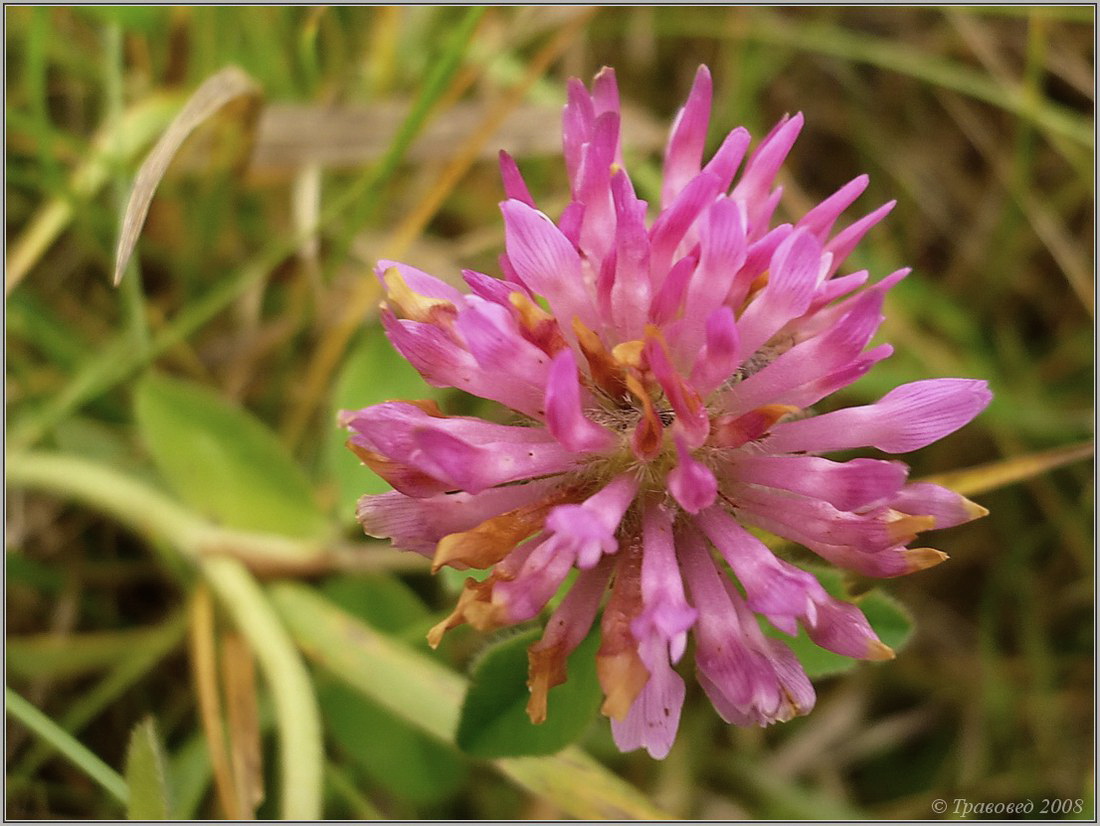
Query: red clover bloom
pixel 663 374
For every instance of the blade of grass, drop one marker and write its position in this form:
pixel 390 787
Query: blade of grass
pixel 204 667
pixel 332 347
pixel 999 474
pixel 127 136
pixel 143 658
pixel 423 692
pixel 239 679
pixel 298 722
pixel 67 745
pixel 213 94
pixel 834 41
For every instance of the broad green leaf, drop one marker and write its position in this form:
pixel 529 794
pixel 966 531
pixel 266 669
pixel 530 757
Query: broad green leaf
pixel 384 601
pixel 494 720
pixel 389 751
pixel 374 372
pixel 146 776
pixel 224 462
pixel 887 616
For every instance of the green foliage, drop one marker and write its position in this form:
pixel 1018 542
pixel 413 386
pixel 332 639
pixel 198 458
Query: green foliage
pixel 146 777
pixel 223 461
pixel 494 720
pixel 388 751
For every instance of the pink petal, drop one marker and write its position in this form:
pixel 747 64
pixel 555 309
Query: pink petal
pixel 821 218
pixel 907 418
pixel 684 152
pixel 796 270
pixel 672 224
pixel 721 354
pixel 547 263
pixel 723 247
pixel 670 296
pixel 475 467
pixel 418 524
pixel 587 531
pixel 577 119
pixel 691 482
pixel 845 241
pixel 691 415
pixel 631 292
pixel 840 627
pixel 594 189
pixel 493 289
pixel 494 338
pixel 420 282
pixel 723 165
pixel 764 163
pixel 564 416
pixel 945 506
pixel 666 612
pixel 757 259
pixel 847 486
pixel 542 573
pixel 514 185
pixel 809 361
pixel 774 588
pixel 654 716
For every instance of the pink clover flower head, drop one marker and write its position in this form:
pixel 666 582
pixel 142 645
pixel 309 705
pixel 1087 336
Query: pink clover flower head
pixel 665 402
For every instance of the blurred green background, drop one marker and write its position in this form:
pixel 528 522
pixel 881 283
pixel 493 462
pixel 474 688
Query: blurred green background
pixel 180 532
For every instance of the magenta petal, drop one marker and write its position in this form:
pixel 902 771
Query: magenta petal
pixel 907 418
pixel 475 467
pixel 691 482
pixel 564 417
pixel 821 218
pixel 587 531
pixel 514 185
pixel 774 588
pixel 721 354
pixel 757 258
pixel 630 295
pixel 420 282
pixel 945 506
pixel 684 152
pixel 547 263
pixel 845 241
pixel 796 270
pixel 654 716
pixel 840 627
pixel 666 612
pixel 847 486
pixel 417 524
pixel 762 167
pixel 809 361
pixel 723 165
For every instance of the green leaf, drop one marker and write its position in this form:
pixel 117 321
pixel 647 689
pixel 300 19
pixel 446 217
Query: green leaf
pixel 891 621
pixel 146 776
pixel 374 372
pixel 389 751
pixel 494 720
pixel 382 600
pixel 223 461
